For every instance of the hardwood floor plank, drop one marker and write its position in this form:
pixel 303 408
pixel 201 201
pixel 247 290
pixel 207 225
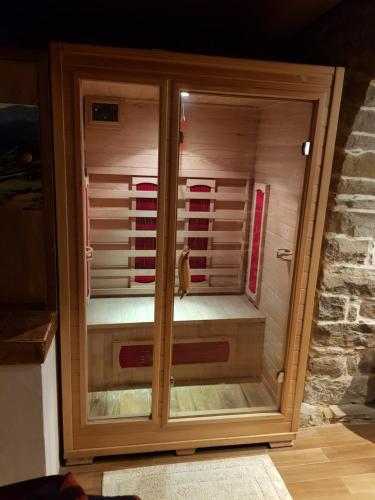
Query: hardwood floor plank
pixel 126 403
pixel 185 400
pixel 350 451
pixel 333 488
pixel 234 397
pixel 289 457
pixel 360 485
pixel 96 404
pixel 330 437
pixel 257 394
pixel 322 471
pixel 189 399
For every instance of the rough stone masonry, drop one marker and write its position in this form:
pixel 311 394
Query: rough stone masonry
pixel 340 383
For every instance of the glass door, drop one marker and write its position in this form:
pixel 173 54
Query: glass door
pixel 121 158
pixel 240 189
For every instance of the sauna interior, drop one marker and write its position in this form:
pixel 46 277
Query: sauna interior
pixel 241 178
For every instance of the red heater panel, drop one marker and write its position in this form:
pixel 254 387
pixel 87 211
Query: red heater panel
pixel 145 223
pixel 256 241
pixel 198 205
pixel 184 353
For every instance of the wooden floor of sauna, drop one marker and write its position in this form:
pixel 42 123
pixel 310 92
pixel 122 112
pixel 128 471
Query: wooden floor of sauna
pixel 185 401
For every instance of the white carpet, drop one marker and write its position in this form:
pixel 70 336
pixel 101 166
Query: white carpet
pixel 243 478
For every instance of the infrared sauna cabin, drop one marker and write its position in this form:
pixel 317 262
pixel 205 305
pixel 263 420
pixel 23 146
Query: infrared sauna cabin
pixel 191 194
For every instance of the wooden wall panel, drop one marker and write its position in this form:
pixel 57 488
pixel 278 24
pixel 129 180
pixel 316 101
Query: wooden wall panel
pixel 131 145
pixel 18 82
pixel 246 340
pixel 219 144
pixel 283 127
pixel 219 139
pixel 22 257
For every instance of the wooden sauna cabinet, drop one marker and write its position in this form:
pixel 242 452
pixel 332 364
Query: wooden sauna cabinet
pixel 156 152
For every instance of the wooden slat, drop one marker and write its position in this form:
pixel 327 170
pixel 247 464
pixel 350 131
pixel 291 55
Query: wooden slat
pixel 112 193
pixel 151 171
pixel 99 292
pixel 116 213
pixel 231 236
pixel 151 272
pixel 193 253
pixel 183 194
pixel 150 288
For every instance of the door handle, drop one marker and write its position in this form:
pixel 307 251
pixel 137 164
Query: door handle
pixel 184 273
pixel 284 254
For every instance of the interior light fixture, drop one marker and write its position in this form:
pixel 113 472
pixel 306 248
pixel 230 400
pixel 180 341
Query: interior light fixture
pixel 184 94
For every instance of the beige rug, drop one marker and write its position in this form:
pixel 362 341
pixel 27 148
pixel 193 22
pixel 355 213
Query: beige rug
pixel 243 478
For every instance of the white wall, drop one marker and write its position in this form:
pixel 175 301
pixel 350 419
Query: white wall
pixel 50 413
pixel 29 444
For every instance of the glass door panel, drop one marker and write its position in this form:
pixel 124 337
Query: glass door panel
pixel 240 186
pixel 121 140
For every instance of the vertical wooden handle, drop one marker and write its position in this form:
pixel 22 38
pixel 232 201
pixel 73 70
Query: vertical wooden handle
pixel 184 273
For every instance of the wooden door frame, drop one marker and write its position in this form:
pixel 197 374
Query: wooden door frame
pixel 255 78
pixel 79 78
pixel 306 217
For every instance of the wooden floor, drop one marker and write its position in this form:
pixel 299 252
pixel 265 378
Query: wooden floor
pixel 186 401
pixel 120 310
pixel 331 462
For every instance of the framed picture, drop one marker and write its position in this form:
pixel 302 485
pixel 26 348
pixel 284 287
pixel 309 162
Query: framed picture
pixel 20 165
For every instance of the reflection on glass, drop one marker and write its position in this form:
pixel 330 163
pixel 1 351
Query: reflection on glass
pixel 241 176
pixel 121 136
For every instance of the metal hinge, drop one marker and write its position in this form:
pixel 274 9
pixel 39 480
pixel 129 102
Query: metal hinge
pixel 306 147
pixel 280 377
pixel 89 253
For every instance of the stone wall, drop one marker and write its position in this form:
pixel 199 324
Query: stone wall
pixel 340 382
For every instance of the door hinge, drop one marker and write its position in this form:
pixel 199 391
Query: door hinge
pixel 306 147
pixel 280 377
pixel 89 253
